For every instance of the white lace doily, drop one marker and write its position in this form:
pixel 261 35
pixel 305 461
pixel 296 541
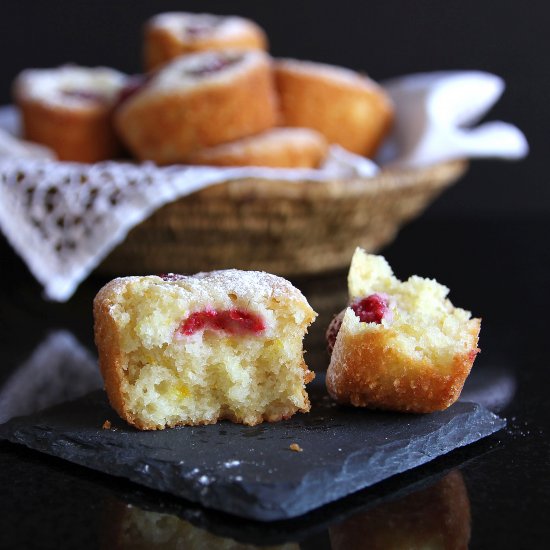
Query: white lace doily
pixel 64 218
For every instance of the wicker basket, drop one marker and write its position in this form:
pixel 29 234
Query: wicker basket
pixel 282 227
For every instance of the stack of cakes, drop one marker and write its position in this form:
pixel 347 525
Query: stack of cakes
pixel 211 95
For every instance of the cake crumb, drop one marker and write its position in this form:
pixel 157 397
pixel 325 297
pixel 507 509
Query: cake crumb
pixel 106 425
pixel 295 447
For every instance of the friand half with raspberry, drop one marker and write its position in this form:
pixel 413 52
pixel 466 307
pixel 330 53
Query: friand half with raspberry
pixel 188 350
pixel 399 345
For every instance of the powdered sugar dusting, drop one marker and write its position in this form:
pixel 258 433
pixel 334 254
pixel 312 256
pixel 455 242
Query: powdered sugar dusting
pixel 185 72
pixel 322 70
pixel 205 480
pixel 66 86
pixel 258 284
pixel 216 26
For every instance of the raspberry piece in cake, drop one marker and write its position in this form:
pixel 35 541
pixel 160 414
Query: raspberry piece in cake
pixel 191 350
pixel 213 65
pixel 400 345
pixel 333 330
pixel 85 95
pixel 232 321
pixel 372 309
pixel 134 84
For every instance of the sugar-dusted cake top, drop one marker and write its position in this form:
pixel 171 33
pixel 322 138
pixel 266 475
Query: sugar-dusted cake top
pixel 70 85
pixel 335 73
pixel 223 289
pixel 196 26
pixel 213 66
pixel 257 284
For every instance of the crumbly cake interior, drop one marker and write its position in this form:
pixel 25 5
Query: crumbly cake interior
pixel 173 378
pixel 423 324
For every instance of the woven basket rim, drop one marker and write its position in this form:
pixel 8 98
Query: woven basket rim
pixel 438 175
pixel 286 227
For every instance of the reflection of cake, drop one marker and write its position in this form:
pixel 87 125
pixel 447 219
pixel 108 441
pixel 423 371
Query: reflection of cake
pixel 131 527
pixel 192 350
pixel 197 101
pixel 436 517
pixel 277 148
pixel 69 109
pixel 347 108
pixel 169 35
pixel 401 345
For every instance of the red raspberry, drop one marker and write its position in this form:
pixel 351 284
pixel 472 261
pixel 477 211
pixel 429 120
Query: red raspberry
pixel 332 331
pixel 231 321
pixel 371 309
pixel 171 276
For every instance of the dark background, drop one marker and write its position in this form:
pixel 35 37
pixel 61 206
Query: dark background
pixel 486 238
pixel 384 38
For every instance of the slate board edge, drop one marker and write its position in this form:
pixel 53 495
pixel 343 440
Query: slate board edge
pixel 255 508
pixel 492 424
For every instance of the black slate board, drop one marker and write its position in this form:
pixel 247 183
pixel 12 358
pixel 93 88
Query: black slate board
pixel 251 471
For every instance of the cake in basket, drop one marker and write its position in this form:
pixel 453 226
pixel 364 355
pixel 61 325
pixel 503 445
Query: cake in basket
pixel 69 110
pixel 169 35
pixel 276 148
pixel 187 350
pixel 198 100
pixel 348 108
pixel 399 345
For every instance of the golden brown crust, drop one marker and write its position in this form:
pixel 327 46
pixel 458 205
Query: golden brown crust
pixel 365 371
pixel 84 135
pixel 278 148
pixel 107 340
pixel 435 517
pixel 161 45
pixel 167 127
pixel 356 115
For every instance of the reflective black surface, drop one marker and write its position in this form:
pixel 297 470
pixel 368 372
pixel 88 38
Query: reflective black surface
pixel 495 492
pixel 252 472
